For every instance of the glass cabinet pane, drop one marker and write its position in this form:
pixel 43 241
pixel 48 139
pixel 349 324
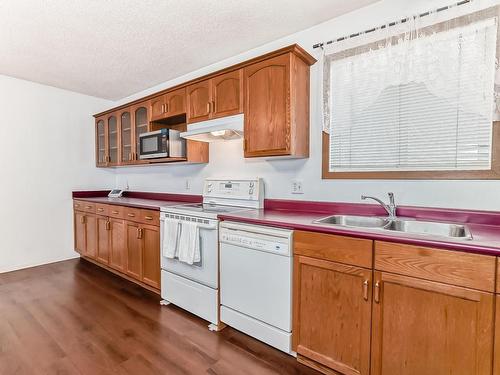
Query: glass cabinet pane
pixel 126 126
pixel 113 139
pixel 101 142
pixel 141 124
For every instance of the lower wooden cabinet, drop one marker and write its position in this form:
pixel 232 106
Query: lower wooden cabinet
pixel 151 255
pixel 130 246
pixel 117 250
pixel 425 327
pixel 133 247
pixel 332 312
pixel 432 313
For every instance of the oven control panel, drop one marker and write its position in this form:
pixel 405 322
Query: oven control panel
pixel 240 192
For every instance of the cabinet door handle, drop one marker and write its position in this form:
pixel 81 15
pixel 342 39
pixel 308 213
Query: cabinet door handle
pixel 166 107
pixel 377 292
pixel 213 106
pixel 108 225
pixel 365 289
pixel 208 107
pixel 163 108
pixel 139 233
pixel 129 156
pixel 82 219
pixel 148 217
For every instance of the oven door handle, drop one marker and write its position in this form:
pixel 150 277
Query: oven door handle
pixel 200 225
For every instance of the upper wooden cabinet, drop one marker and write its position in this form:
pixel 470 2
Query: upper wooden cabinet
pixel 199 100
pixel 272 91
pixel 172 103
pixel 216 97
pixel 277 107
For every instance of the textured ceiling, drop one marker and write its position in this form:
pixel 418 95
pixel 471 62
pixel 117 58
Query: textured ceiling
pixel 114 48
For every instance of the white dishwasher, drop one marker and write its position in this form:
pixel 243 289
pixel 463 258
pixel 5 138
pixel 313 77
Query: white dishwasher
pixel 256 282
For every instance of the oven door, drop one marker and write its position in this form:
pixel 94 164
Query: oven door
pixel 205 271
pixel 153 145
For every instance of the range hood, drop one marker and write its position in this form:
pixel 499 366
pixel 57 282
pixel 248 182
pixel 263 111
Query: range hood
pixel 219 129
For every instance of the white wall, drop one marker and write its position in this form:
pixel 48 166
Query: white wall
pixel 47 143
pixel 226 159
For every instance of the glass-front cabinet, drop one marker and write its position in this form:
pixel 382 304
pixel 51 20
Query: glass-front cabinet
pixel 113 139
pixel 126 152
pixel 141 124
pixel 101 142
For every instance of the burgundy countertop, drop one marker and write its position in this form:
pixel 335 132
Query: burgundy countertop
pixel 151 201
pixel 483 225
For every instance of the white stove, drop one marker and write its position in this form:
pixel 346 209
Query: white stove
pixel 195 287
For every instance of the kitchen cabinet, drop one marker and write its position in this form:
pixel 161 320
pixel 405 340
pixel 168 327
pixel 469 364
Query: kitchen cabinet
pixel 363 307
pixel 216 97
pixel 125 239
pixel 426 327
pixel 117 251
pixel 333 305
pixel 103 238
pixel 101 142
pixel 126 137
pixel 171 104
pixel 277 107
pixel 272 91
pixel 151 255
pixel 134 250
pixel 332 302
pixel 496 362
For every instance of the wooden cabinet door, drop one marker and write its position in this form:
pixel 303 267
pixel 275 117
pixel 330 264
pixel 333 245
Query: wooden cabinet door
pixel 227 94
pixel 134 235
pixel 175 102
pixel 151 255
pixel 140 114
pixel 198 101
pixel 103 239
pixel 79 228
pixel 126 136
pixel 157 108
pixel 117 253
pixel 332 313
pixel 267 107
pixel 424 327
pixel 113 139
pixel 496 361
pixel 91 236
pixel 101 142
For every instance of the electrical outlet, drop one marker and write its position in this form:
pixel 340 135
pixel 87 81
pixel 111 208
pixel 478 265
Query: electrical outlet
pixel 188 184
pixel 297 187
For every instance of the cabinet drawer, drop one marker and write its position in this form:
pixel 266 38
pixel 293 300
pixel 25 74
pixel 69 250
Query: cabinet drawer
pixel 452 267
pixel 101 209
pixel 116 211
pixel 150 217
pixel 132 214
pixel 347 250
pixel 84 206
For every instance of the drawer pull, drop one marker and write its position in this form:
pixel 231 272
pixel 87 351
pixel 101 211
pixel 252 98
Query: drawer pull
pixel 131 215
pixel 114 212
pixel 88 207
pixel 77 205
pixel 148 217
pixel 100 209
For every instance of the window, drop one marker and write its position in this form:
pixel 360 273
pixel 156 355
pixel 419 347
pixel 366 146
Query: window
pixel 417 105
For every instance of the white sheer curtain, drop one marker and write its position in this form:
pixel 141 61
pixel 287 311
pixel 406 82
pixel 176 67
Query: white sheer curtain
pixel 422 98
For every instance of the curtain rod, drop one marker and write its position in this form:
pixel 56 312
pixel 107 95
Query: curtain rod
pixel 320 45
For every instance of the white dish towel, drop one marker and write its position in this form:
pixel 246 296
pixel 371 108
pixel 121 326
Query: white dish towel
pixel 189 243
pixel 171 230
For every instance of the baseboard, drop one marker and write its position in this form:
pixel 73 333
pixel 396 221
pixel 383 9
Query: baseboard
pixel 37 264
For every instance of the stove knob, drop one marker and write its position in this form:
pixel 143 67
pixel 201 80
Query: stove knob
pixel 250 191
pixel 252 184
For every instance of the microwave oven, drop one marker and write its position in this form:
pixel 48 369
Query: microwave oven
pixel 164 143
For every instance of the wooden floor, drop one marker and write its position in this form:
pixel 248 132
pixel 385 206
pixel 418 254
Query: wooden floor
pixel 74 318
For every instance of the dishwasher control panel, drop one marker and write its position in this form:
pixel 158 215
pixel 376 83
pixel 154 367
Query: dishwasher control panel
pixel 268 244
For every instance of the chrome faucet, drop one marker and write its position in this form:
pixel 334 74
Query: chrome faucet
pixel 390 208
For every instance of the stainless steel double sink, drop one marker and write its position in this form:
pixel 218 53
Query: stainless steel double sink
pixel 399 225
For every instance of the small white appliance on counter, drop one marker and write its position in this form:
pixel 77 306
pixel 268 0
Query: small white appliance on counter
pixel 256 282
pixel 195 287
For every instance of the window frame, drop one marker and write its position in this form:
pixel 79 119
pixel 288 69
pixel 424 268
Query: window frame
pixel 489 174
